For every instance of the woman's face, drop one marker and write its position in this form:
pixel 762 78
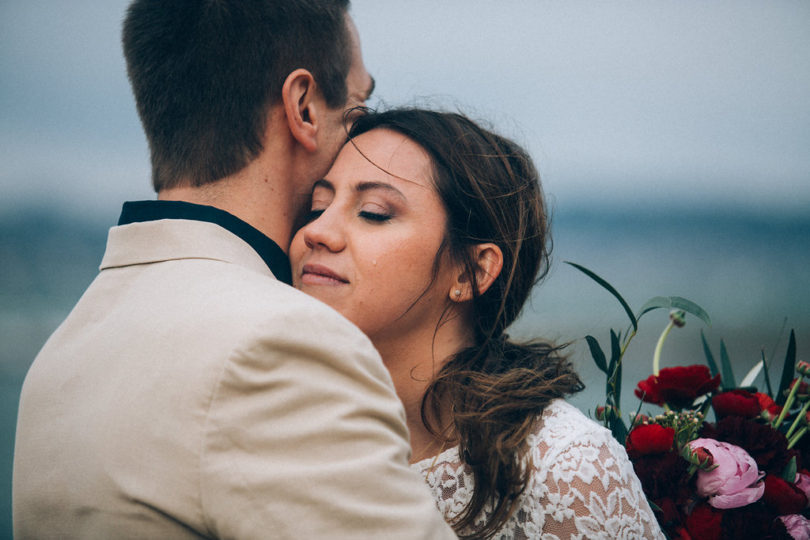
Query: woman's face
pixel 376 226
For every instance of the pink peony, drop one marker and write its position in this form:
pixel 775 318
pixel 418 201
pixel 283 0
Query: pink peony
pixel 735 481
pixel 797 526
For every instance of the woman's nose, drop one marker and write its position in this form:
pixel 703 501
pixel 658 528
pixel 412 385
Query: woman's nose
pixel 325 231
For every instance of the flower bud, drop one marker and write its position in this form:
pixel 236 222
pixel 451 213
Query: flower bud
pixel 803 393
pixel 678 317
pixel 641 418
pixel 604 412
pixel 698 456
pixel 803 368
pixel 768 415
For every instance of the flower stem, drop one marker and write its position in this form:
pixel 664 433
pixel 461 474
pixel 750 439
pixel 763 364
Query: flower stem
pixel 792 442
pixel 798 419
pixel 659 346
pixel 788 403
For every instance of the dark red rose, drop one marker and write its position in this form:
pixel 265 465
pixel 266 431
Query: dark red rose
pixel 649 439
pixel 767 446
pixel 677 386
pixel 663 476
pixel 669 514
pixel 752 522
pixel 704 523
pixel 784 497
pixel 680 533
pixel 736 403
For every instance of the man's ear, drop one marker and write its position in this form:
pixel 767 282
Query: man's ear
pixel 301 108
pixel 488 260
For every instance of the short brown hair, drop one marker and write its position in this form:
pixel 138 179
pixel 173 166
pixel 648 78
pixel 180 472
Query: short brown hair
pixel 204 73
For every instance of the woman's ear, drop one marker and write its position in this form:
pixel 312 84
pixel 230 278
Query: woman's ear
pixel 301 107
pixel 488 260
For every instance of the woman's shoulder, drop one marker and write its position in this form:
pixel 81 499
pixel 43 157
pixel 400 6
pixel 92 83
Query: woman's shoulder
pixel 563 424
pixel 568 444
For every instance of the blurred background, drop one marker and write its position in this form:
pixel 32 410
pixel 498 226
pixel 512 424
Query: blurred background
pixel 673 139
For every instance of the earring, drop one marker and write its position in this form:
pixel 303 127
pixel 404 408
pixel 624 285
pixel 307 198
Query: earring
pixel 457 292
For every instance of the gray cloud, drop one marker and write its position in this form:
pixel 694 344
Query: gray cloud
pixel 618 101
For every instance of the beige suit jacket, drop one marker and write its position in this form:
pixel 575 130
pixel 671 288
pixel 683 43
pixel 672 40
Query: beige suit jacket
pixel 190 394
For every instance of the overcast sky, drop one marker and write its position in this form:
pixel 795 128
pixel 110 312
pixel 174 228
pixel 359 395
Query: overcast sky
pixel 641 102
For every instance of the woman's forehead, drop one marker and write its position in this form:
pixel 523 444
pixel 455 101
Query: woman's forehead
pixel 384 154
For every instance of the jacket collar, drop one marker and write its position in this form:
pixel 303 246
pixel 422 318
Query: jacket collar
pixel 153 231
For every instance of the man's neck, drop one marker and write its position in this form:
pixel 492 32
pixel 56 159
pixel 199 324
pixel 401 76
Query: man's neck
pixel 265 202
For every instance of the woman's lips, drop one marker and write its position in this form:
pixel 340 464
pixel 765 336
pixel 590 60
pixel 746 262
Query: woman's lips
pixel 316 274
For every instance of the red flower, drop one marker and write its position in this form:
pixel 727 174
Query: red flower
pixel 736 403
pixel 767 404
pixel 677 386
pixel 704 523
pixel 649 439
pixel 784 497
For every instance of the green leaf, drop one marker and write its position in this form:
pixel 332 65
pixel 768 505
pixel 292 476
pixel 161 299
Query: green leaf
pixel 675 302
pixel 729 382
pixel 619 430
pixel 709 356
pixel 610 289
pixel 597 354
pixel 616 361
pixel 789 472
pixel 788 369
pixel 767 376
pixel 751 376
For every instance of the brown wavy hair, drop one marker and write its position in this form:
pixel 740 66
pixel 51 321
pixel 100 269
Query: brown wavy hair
pixel 496 388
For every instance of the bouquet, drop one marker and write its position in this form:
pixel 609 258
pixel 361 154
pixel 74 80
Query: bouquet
pixel 744 475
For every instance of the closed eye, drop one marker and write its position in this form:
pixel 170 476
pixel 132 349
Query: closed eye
pixel 312 215
pixel 375 217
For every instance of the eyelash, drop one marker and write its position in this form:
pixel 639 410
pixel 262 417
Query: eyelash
pixel 312 215
pixel 374 217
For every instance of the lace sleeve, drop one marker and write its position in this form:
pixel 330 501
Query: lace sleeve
pixel 582 485
pixel 592 492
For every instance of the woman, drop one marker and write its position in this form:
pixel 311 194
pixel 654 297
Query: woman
pixel 428 233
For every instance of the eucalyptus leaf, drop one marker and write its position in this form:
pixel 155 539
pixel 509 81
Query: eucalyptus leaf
pixel 729 382
pixel 610 289
pixel 788 369
pixel 709 356
pixel 597 354
pixel 675 302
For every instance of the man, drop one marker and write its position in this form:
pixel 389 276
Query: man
pixel 192 393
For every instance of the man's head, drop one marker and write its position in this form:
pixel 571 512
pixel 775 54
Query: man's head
pixel 205 72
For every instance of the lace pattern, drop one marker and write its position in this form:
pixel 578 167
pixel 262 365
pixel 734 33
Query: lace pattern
pixel 582 484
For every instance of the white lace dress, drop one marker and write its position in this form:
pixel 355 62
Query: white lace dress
pixel 582 486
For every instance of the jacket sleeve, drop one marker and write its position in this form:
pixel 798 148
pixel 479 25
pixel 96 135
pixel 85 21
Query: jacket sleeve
pixel 306 438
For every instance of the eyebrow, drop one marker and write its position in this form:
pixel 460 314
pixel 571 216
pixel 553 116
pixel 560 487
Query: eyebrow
pixel 362 187
pixel 368 186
